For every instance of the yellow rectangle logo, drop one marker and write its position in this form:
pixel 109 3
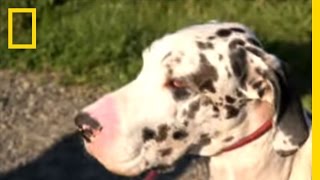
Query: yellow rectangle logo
pixel 10 28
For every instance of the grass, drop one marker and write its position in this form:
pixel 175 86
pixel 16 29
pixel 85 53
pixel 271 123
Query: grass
pixel 100 42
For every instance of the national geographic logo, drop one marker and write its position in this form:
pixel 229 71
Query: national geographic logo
pixel 11 12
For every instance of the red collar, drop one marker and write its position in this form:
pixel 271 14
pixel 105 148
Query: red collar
pixel 152 175
pixel 251 137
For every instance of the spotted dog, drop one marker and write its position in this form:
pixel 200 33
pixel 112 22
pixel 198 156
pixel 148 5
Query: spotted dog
pixel 211 90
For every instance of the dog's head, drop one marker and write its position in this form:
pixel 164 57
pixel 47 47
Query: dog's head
pixel 198 91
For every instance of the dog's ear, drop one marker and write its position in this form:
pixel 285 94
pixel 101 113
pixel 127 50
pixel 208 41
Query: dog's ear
pixel 263 76
pixel 289 121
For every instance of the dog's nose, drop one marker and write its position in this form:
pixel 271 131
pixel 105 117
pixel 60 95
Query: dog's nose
pixel 87 125
pixel 84 119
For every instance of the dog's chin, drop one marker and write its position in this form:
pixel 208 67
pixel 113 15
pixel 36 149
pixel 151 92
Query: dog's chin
pixel 133 166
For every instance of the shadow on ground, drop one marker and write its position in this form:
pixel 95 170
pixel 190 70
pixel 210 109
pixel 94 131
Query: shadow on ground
pixel 67 160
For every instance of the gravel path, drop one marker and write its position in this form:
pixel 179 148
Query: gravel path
pixel 38 140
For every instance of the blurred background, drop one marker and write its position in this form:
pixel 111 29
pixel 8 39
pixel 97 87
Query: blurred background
pixel 88 47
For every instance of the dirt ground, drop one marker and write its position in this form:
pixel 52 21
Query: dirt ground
pixel 38 139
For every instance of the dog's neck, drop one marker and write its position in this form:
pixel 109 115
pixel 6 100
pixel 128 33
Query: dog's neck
pixel 254 160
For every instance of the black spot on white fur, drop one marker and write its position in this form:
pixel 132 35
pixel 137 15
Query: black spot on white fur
pixel 204 45
pixel 231 111
pixel 215 108
pixel 205 71
pixel 261 92
pixel 237 29
pixel 179 135
pixel 193 108
pixel 162 132
pixel 236 42
pixel 228 139
pixel 208 85
pixel 203 59
pixel 167 55
pixel 209 45
pixel 257 84
pixel 255 51
pixel 230 99
pixel 206 101
pixel 201 45
pixel 204 139
pixel 148 134
pixel 165 152
pixel 223 32
pixel 211 37
pixel 238 61
pixel 239 93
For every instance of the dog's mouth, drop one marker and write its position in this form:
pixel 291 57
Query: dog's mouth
pixel 153 173
pixel 162 169
pixel 148 175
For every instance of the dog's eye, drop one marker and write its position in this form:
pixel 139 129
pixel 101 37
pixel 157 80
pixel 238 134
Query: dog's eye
pixel 176 84
pixel 179 89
